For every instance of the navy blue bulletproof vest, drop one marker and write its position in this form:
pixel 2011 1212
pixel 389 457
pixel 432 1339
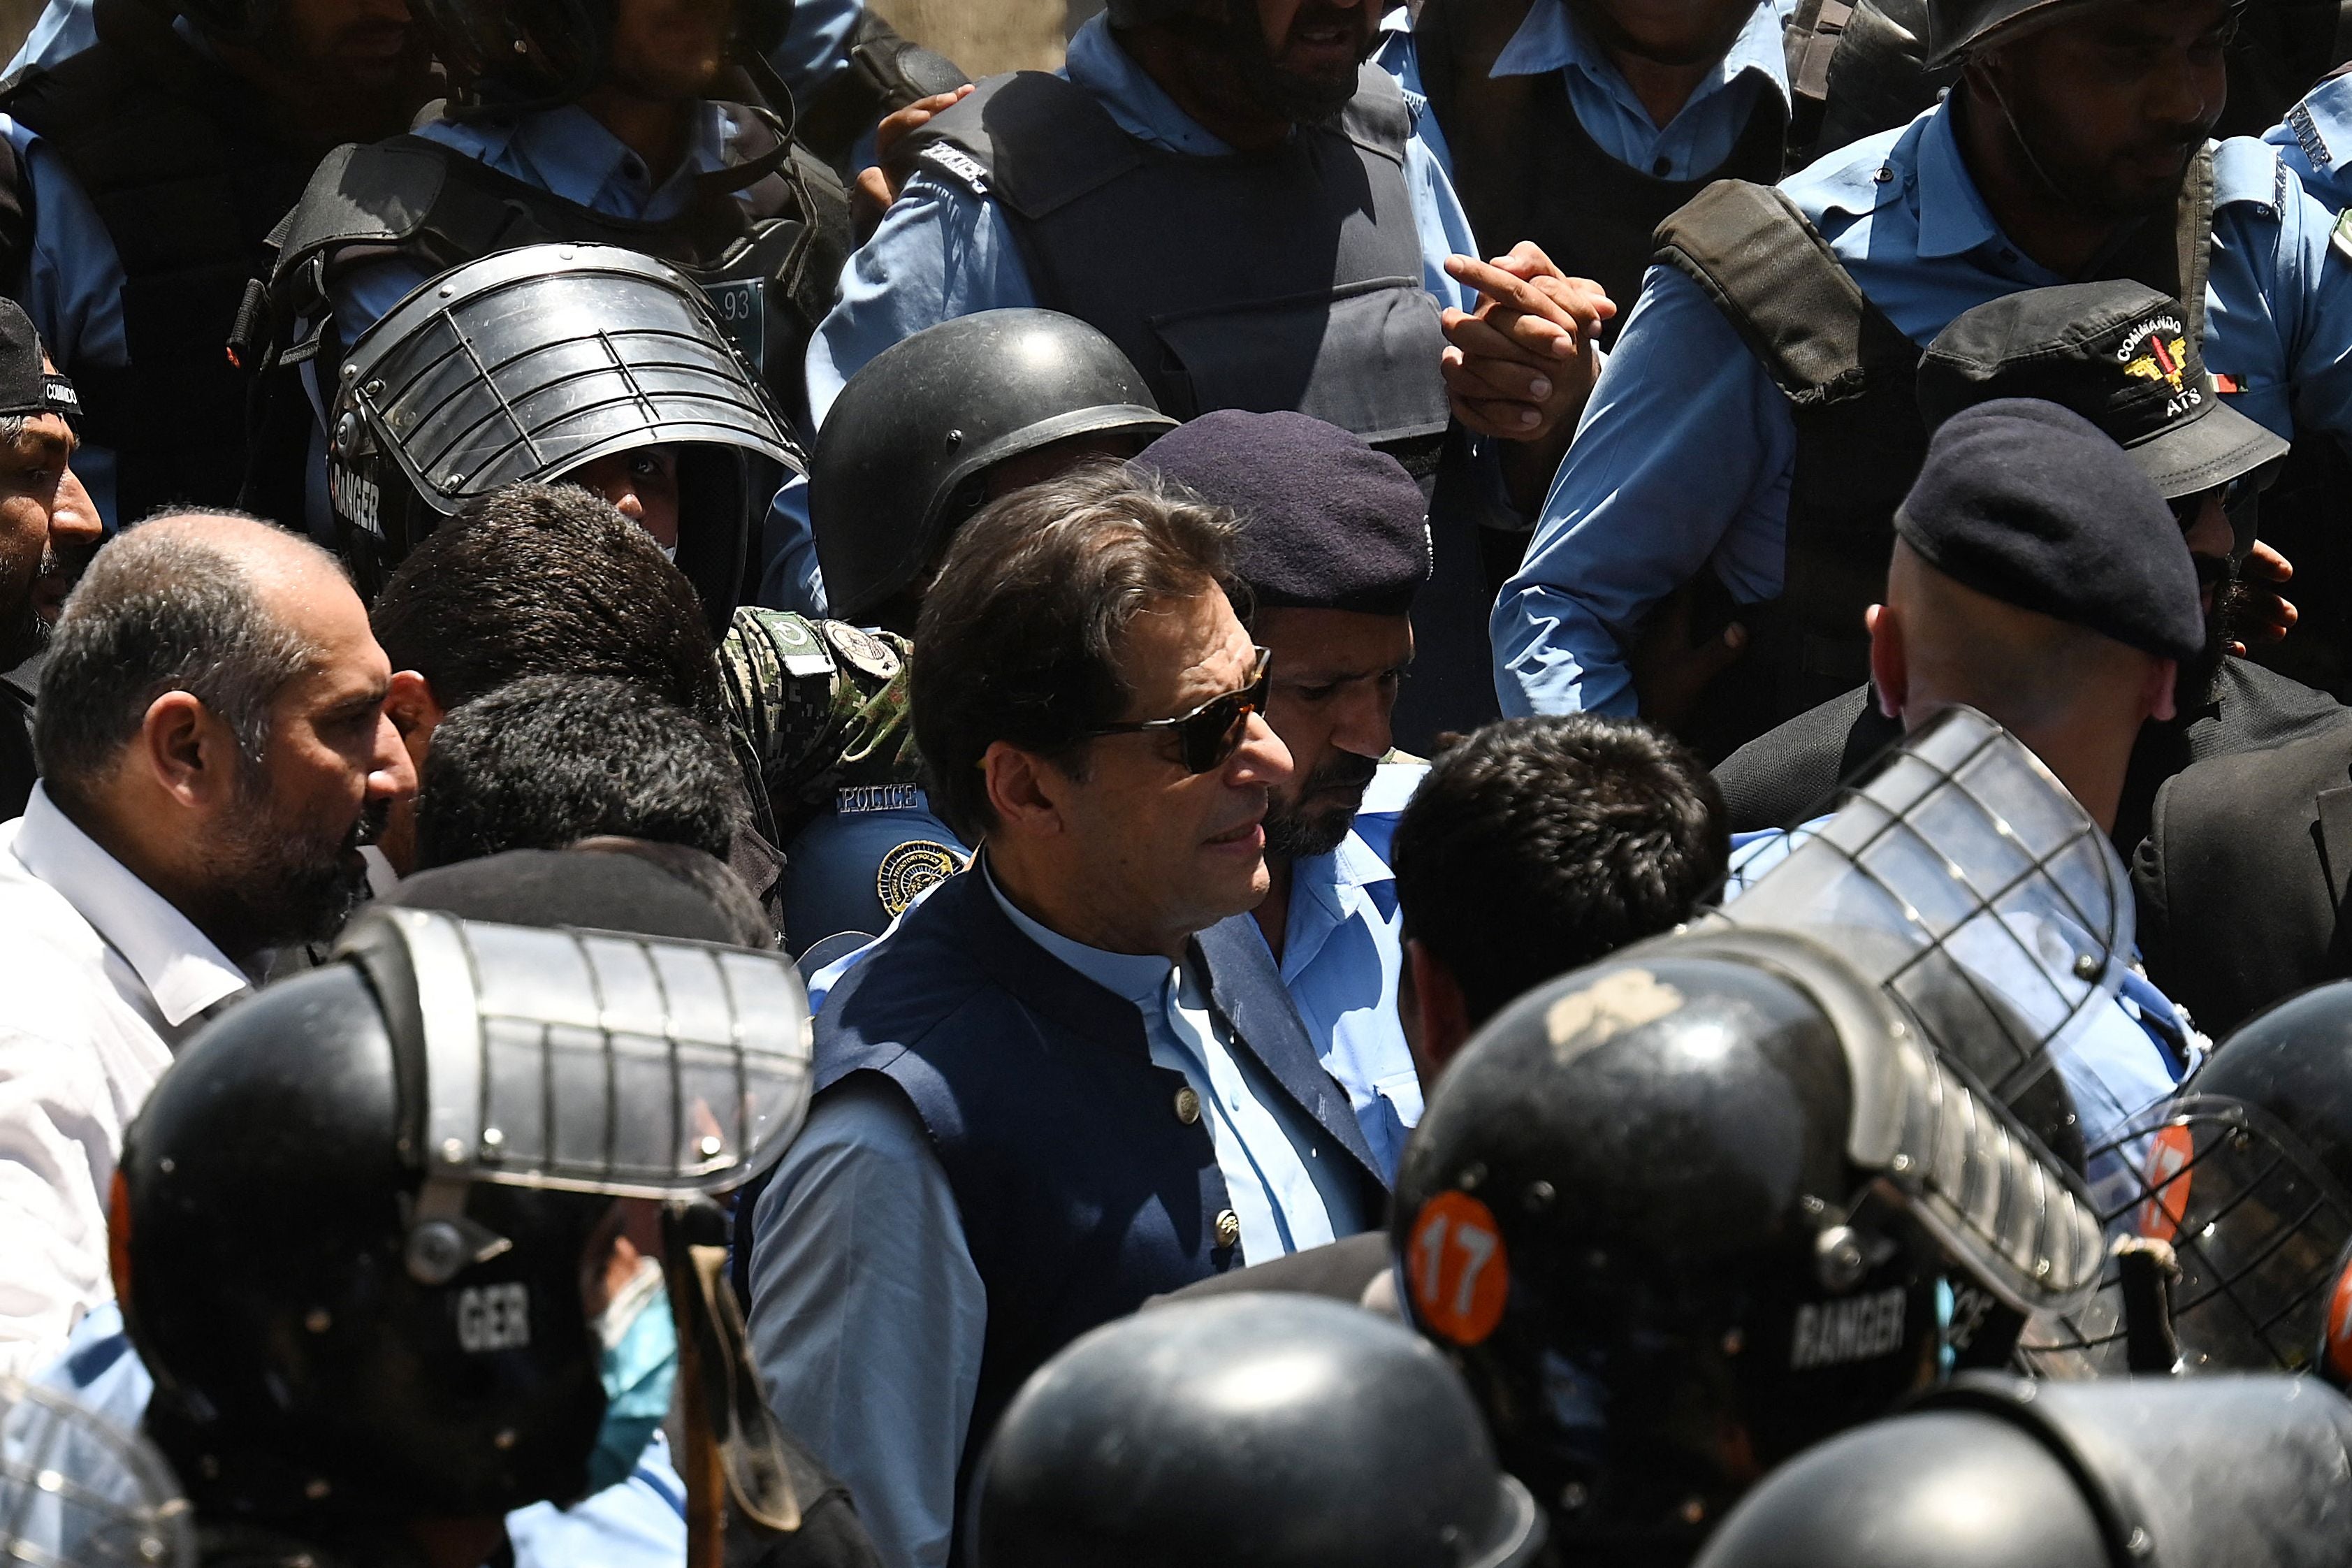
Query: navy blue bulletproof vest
pixel 1082 1190
pixel 1280 281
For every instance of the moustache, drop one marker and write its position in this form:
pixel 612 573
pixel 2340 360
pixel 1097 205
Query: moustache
pixel 1347 771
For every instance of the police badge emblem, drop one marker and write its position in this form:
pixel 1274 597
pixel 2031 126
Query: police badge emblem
pixel 913 868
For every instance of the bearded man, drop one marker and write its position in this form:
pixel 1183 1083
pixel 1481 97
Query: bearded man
pixel 1334 543
pixel 213 752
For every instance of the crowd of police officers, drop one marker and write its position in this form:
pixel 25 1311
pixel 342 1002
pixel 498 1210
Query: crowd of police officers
pixel 1777 1240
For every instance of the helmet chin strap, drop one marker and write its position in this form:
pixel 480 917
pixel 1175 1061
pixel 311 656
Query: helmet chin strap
pixel 2024 144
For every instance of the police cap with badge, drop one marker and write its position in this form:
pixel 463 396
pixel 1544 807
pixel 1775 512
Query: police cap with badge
pixel 2118 353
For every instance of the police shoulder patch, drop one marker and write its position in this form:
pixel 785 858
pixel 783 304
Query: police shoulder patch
pixel 913 868
pixel 959 165
pixel 862 649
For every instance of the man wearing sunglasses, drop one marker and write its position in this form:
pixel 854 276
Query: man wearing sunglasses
pixel 1040 1099
pixel 2113 354
pixel 1334 543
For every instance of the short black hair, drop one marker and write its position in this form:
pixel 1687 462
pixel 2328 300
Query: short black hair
pixel 546 580
pixel 1536 845
pixel 159 610
pixel 1022 632
pixel 549 760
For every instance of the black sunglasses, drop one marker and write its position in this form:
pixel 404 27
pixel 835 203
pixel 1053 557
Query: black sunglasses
pixel 1213 731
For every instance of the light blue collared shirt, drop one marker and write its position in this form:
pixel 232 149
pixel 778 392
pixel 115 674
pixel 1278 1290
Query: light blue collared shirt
pixel 867 1316
pixel 1698 140
pixel 1700 136
pixel 1342 954
pixel 943 252
pixel 640 1523
pixel 1683 460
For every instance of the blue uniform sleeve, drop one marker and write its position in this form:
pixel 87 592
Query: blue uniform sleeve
pixel 73 288
pixel 1683 458
pixel 2315 140
pixel 365 295
pixel 940 252
pixel 868 1314
pixel 789 577
pixel 64 27
pixel 816 44
pixel 2280 298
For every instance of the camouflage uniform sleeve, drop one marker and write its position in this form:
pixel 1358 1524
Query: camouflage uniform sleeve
pixel 808 700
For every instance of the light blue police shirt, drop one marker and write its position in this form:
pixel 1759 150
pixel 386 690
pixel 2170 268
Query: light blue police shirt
pixel 1696 141
pixel 867 1316
pixel 1683 460
pixel 943 252
pixel 1342 954
pixel 640 1523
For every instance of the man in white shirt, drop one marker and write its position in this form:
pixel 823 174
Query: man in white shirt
pixel 213 752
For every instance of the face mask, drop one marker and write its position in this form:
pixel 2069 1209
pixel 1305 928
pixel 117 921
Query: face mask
pixel 638 1369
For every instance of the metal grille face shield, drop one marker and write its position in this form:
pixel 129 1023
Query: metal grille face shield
pixel 77 1491
pixel 2254 1227
pixel 1932 1142
pixel 583 1061
pixel 1962 878
pixel 532 362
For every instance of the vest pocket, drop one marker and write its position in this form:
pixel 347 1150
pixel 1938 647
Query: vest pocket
pixel 1363 357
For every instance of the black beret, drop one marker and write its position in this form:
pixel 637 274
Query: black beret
pixel 25 386
pixel 1328 523
pixel 567 888
pixel 2032 504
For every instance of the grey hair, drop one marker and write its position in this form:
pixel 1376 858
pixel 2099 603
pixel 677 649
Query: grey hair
pixel 159 610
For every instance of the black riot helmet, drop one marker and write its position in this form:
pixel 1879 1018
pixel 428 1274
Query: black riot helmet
pixel 1725 1174
pixel 2000 1472
pixel 1684 1212
pixel 1955 28
pixel 351 1223
pixel 1250 1431
pixel 2245 1180
pixel 529 364
pixel 900 461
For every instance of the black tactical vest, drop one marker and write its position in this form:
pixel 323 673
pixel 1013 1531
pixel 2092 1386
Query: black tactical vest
pixel 174 155
pixel 1282 280
pixel 770 255
pixel 1849 373
pixel 1526 168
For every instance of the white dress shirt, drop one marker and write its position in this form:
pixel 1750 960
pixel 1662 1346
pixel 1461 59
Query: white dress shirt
pixel 101 980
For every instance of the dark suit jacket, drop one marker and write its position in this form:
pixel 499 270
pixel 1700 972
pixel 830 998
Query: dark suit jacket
pixel 2242 880
pixel 1792 773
